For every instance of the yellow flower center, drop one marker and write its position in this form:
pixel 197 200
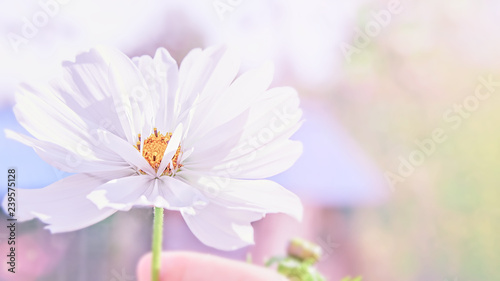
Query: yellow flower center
pixel 154 148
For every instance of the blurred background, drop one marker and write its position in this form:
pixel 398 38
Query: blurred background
pixel 401 141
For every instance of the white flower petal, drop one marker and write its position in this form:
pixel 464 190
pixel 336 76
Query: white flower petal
pixel 104 86
pixel 176 194
pixel 49 119
pixel 85 88
pixel 263 148
pixel 278 111
pixel 64 159
pixel 203 76
pixel 241 94
pixel 171 149
pixel 132 100
pixel 221 227
pixel 256 195
pixel 271 122
pixel 265 162
pixel 215 146
pixel 127 151
pixel 123 193
pixel 62 205
pixel 162 75
pixel 167 73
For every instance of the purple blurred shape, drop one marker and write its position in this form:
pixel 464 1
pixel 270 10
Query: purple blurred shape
pixel 333 169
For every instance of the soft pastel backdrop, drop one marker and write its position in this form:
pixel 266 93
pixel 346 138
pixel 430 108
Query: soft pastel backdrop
pixel 364 111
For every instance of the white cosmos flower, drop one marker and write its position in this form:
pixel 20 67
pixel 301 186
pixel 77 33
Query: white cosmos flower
pixel 146 132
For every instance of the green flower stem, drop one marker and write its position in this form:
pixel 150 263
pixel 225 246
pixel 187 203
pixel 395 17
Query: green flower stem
pixel 157 243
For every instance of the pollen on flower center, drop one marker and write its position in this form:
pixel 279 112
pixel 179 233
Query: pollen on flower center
pixel 154 148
